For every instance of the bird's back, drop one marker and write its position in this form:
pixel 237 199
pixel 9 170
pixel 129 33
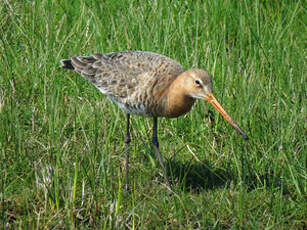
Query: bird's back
pixel 135 80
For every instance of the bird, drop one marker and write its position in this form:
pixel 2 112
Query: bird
pixel 147 84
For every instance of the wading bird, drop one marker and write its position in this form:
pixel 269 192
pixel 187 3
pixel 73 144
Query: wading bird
pixel 148 84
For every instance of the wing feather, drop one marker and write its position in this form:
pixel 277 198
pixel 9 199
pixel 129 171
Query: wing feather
pixel 120 74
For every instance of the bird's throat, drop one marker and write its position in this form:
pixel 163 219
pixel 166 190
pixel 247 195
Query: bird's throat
pixel 177 101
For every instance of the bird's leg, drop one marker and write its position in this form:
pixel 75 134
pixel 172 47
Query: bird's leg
pixel 127 141
pixel 155 144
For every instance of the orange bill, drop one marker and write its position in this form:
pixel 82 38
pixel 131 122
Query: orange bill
pixel 212 100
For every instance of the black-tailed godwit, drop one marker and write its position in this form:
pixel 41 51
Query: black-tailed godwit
pixel 148 84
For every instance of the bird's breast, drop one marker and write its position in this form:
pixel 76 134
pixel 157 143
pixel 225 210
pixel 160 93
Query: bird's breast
pixel 178 106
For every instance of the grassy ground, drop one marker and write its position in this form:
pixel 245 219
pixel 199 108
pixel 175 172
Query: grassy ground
pixel 61 141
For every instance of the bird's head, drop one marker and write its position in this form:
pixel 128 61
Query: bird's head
pixel 198 84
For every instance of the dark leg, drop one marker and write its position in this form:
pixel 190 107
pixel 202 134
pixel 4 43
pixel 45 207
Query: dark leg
pixel 127 141
pixel 155 144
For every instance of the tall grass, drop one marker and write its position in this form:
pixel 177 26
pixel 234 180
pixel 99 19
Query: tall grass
pixel 61 141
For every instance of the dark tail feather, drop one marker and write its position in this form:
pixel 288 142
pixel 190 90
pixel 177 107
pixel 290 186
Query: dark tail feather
pixel 66 64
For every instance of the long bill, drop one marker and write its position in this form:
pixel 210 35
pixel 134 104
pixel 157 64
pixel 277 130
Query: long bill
pixel 212 100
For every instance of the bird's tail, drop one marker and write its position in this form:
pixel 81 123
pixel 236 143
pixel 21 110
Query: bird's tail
pixel 66 64
pixel 85 65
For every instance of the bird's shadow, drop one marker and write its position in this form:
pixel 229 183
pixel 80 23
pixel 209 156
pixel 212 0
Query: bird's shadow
pixel 197 176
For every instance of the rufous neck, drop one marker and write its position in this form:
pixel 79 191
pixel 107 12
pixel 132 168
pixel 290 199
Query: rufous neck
pixel 178 102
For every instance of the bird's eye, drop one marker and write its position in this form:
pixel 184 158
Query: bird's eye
pixel 197 82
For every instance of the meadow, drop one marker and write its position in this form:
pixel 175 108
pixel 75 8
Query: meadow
pixel 61 141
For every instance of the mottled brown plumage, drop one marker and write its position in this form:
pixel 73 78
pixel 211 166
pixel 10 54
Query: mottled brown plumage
pixel 135 80
pixel 149 84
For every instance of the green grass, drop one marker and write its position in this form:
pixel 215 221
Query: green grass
pixel 61 141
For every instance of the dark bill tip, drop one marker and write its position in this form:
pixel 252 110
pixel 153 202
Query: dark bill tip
pixel 240 131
